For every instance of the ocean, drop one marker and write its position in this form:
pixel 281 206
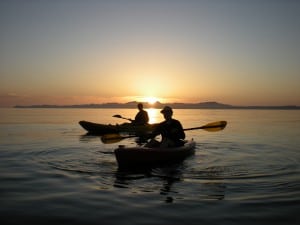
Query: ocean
pixel 52 173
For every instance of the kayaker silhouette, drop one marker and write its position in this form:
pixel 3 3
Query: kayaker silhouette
pixel 141 117
pixel 171 131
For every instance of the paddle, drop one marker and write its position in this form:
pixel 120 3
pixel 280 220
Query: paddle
pixel 121 117
pixel 114 138
pixel 211 127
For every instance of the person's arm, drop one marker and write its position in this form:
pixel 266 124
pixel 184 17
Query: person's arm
pixel 177 131
pixel 146 117
pixel 156 131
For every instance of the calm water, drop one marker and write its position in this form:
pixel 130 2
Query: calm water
pixel 51 173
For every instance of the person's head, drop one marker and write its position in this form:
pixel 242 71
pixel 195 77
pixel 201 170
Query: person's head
pixel 140 106
pixel 167 112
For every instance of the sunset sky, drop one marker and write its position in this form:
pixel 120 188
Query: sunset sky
pixel 235 52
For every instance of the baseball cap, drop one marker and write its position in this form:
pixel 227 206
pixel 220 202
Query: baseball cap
pixel 166 109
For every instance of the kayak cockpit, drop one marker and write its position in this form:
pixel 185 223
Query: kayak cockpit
pixel 144 156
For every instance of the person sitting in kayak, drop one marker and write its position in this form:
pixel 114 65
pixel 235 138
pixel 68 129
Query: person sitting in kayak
pixel 141 117
pixel 171 131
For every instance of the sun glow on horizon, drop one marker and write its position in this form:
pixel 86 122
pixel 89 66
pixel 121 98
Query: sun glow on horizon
pixel 149 99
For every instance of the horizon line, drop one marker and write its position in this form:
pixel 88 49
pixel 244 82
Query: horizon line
pixel 157 104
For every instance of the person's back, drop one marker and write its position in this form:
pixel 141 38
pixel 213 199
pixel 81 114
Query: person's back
pixel 170 130
pixel 141 117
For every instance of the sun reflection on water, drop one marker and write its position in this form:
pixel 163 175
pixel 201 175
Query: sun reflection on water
pixel 154 115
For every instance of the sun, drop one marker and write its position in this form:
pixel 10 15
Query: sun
pixel 151 100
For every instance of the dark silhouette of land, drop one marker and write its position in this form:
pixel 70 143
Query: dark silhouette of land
pixel 129 105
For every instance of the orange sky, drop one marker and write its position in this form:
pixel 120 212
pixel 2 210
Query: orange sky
pixel 239 53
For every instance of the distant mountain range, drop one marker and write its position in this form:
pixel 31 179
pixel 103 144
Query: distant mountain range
pixel 133 104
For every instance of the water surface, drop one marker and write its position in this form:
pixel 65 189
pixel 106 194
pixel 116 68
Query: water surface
pixel 52 173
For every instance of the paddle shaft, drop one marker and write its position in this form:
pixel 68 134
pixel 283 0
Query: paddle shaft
pixel 202 127
pixel 215 126
pixel 121 117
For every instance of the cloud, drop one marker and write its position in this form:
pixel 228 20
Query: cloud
pixel 9 95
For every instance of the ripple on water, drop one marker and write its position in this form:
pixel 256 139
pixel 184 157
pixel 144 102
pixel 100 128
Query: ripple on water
pixel 88 167
pixel 244 172
pixel 232 171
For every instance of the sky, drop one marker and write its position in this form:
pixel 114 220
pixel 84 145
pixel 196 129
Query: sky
pixel 65 52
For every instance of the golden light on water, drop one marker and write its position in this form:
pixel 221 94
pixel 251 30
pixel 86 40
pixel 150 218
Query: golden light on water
pixel 153 115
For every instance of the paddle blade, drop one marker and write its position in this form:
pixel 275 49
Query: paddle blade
pixel 121 117
pixel 111 138
pixel 114 138
pixel 215 126
pixel 212 127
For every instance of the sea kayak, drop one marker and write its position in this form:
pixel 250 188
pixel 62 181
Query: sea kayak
pixel 144 156
pixel 101 129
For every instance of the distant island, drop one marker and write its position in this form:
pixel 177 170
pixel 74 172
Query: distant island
pixel 158 105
